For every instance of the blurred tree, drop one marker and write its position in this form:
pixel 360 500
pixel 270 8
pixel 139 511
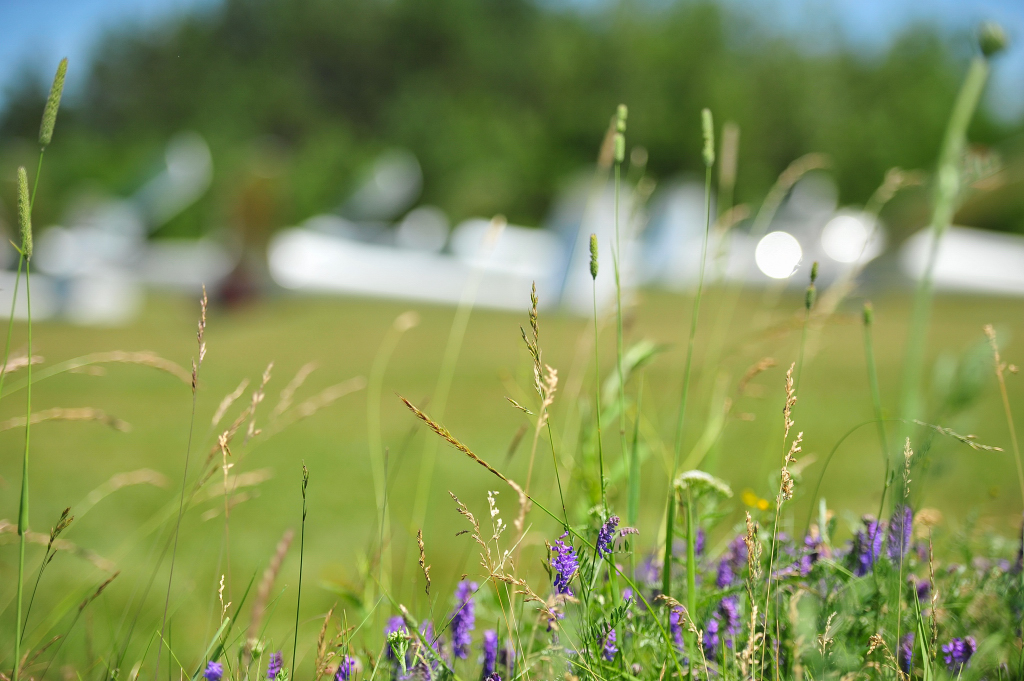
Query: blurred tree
pixel 499 99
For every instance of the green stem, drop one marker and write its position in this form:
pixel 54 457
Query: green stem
pixel 681 418
pixel 946 193
pixel 302 551
pixel 618 326
pixel 691 557
pixel 597 391
pixel 23 506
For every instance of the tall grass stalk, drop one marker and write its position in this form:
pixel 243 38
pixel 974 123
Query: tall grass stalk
pixel 876 395
pixel 597 373
pixel 620 155
pixel 944 202
pixel 809 297
pixel 302 552
pixel 25 205
pixel 25 220
pixel 709 162
pixel 196 365
pixel 404 322
pixel 452 350
pixel 990 332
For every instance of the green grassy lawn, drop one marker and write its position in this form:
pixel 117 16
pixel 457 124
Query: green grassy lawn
pixel 70 459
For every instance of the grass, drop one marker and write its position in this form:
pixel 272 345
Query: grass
pixel 342 337
pixel 812 573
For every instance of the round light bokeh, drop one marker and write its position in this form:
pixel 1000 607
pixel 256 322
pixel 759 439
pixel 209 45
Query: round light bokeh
pixel 848 239
pixel 778 254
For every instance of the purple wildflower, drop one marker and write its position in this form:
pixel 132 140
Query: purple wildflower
pixel 729 609
pixel 958 653
pixel 867 545
pixel 701 542
pixel 627 594
pixel 394 625
pixel 494 676
pixel 606 535
pixel 490 653
pixel 346 668
pixel 565 564
pixel 608 645
pixel 464 619
pixel 711 638
pixel 675 624
pixel 1020 551
pixel 923 589
pixel 275 665
pixel 214 671
pixel 732 563
pixel 900 527
pixel 906 653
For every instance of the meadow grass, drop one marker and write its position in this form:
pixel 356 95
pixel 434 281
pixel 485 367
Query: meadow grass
pixel 563 589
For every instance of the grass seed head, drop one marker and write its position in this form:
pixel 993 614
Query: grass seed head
pixel 24 213
pixel 593 256
pixel 708 124
pixel 53 103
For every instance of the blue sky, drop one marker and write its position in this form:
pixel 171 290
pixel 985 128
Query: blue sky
pixel 34 33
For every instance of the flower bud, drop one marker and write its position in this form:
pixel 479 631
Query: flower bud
pixel 991 39
pixel 869 314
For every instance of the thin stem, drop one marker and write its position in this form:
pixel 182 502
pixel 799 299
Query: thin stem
pixel 617 253
pixel 597 397
pixel 681 418
pixel 23 506
pixel 302 551
pixel 691 556
pixel 946 194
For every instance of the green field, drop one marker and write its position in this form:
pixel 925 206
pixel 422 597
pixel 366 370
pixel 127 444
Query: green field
pixel 70 459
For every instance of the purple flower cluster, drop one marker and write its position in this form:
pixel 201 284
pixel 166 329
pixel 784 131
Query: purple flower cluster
pixel 565 565
pixel 490 658
pixel 214 671
pixel 731 566
pixel 906 653
pixel 394 625
pixel 274 666
pixel 608 646
pixel 606 535
pixel 711 637
pixel 729 610
pixel 957 653
pixel 463 620
pixel 900 527
pixel 867 546
pixel 675 624
pixel 346 668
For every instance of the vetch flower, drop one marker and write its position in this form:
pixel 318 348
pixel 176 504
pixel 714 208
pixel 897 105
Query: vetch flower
pixel 675 624
pixel 464 619
pixel 490 651
pixel 565 565
pixel 867 546
pixel 608 645
pixel 958 653
pixel 711 638
pixel 275 665
pixel 900 528
pixel 606 535
pixel 906 653
pixel 346 668
pixel 729 609
pixel 214 671
pixel 395 625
